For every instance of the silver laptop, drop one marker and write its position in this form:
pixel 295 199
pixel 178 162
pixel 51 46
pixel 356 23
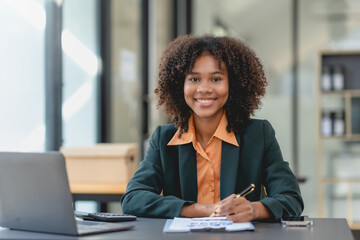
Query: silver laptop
pixel 35 196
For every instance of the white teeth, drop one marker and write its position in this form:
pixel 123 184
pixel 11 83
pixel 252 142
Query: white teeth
pixel 205 101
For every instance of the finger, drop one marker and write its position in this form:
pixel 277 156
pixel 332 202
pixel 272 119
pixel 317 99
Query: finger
pixel 224 203
pixel 232 206
pixel 231 200
pixel 236 209
pixel 228 199
pixel 215 211
pixel 245 214
pixel 239 217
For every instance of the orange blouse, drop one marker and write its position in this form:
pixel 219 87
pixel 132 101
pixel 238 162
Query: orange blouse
pixel 208 161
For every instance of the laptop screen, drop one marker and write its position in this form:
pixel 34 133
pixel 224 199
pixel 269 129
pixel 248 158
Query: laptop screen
pixel 35 194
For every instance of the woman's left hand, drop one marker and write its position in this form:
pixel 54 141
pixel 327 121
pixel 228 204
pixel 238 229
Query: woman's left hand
pixel 236 209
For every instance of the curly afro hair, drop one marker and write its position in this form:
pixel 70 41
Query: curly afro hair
pixel 247 81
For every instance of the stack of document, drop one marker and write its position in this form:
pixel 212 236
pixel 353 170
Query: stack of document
pixel 205 224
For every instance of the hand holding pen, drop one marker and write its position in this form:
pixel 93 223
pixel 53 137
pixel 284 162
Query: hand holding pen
pixel 229 201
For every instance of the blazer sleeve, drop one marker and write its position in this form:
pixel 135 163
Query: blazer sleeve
pixel 284 197
pixel 142 196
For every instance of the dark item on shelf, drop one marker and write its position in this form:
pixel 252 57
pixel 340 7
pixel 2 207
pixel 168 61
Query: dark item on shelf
pixel 355 115
pixel 349 63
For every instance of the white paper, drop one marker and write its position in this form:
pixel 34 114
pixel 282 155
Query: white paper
pixel 213 223
pixel 180 225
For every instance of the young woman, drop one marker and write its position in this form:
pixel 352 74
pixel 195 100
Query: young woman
pixel 210 86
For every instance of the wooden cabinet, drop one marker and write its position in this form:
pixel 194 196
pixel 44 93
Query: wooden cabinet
pixel 339 135
pixel 102 168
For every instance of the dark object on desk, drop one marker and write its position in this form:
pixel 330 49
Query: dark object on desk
pixel 35 196
pixel 222 229
pixel 296 221
pixel 105 217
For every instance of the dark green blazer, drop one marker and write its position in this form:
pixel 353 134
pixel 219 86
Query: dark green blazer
pixel 171 170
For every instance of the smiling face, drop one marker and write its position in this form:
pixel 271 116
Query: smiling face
pixel 206 88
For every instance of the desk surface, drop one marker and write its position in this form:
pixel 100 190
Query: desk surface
pixel 150 228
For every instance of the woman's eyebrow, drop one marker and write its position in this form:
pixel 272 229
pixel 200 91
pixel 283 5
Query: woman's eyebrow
pixel 194 73
pixel 217 72
pixel 212 73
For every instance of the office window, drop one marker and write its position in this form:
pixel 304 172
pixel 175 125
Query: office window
pixel 160 31
pixel 126 65
pixel 81 69
pixel 81 66
pixel 126 94
pixel 22 109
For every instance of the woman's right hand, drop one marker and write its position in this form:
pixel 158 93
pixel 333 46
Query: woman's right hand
pixel 239 209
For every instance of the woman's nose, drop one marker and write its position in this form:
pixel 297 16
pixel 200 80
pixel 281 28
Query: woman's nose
pixel 204 86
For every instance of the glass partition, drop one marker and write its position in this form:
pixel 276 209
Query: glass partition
pixel 126 98
pixel 22 83
pixel 81 66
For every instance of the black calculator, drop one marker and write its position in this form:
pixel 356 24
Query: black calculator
pixel 105 217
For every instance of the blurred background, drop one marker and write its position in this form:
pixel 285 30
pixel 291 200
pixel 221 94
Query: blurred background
pixel 81 72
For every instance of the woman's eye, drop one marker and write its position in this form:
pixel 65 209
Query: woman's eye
pixel 216 79
pixel 193 79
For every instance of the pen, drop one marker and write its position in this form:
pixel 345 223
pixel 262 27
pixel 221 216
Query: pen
pixel 243 193
pixel 246 191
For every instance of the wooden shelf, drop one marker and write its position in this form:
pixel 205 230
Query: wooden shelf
pixel 339 52
pixel 352 137
pixel 331 102
pixel 343 93
pixel 334 180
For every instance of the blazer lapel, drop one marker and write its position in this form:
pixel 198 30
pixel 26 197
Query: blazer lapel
pixel 230 155
pixel 188 172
